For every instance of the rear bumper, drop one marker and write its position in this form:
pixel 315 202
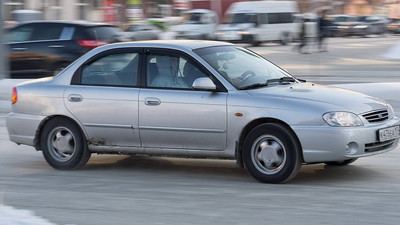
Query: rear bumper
pixel 22 128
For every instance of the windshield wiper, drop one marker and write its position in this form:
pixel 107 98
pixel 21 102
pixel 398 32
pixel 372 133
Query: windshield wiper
pixel 281 80
pixel 257 85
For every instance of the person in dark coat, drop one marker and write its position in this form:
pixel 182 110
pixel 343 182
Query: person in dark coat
pixel 323 31
pixel 302 37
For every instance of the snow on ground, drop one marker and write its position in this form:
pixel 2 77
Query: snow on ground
pixel 12 216
pixel 394 52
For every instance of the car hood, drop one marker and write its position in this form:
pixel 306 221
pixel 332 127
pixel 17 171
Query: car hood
pixel 318 97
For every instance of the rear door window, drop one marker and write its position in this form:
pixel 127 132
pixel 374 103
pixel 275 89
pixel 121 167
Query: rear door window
pixel 47 32
pixel 274 18
pixel 118 69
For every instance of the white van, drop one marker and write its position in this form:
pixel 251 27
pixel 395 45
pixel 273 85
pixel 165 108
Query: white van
pixel 199 24
pixel 259 21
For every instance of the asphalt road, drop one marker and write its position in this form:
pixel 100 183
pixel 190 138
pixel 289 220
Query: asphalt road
pixel 156 190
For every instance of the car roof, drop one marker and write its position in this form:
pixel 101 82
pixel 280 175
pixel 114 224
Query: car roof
pixel 171 44
pixel 69 22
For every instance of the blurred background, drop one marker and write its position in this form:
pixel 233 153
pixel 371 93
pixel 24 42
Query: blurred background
pixel 360 48
pixel 123 12
pixel 29 25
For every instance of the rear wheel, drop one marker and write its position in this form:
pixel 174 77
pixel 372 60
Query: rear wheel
pixel 63 145
pixel 271 154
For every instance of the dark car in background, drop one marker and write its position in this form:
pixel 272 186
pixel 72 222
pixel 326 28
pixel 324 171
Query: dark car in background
pixel 44 48
pixel 374 24
pixel 346 25
pixel 394 26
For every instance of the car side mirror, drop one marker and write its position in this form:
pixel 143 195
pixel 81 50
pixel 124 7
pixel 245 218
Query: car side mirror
pixel 204 83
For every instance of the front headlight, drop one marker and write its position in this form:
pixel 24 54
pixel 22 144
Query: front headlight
pixel 342 119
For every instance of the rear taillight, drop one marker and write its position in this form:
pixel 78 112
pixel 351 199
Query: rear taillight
pixel 91 43
pixel 14 97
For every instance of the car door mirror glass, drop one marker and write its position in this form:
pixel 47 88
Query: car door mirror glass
pixel 204 83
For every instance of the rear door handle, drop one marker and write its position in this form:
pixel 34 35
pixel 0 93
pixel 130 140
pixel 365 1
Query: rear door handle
pixel 19 49
pixel 75 98
pixel 152 101
pixel 56 46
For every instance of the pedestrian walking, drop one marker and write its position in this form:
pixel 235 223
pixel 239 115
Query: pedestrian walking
pixel 323 31
pixel 302 37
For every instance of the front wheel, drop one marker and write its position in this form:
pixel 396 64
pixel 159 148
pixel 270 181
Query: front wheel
pixel 271 154
pixel 63 145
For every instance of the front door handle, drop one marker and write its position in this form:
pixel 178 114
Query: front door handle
pixel 75 98
pixel 152 101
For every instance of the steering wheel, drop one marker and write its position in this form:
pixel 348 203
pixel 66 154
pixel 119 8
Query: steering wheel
pixel 246 75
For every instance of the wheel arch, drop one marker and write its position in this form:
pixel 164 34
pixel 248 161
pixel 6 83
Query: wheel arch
pixel 37 143
pixel 250 126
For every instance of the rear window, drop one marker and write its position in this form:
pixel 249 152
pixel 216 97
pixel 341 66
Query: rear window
pixel 103 33
pixel 274 18
pixel 240 18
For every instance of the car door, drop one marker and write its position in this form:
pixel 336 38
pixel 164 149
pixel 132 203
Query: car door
pixel 172 115
pixel 104 98
pixel 34 48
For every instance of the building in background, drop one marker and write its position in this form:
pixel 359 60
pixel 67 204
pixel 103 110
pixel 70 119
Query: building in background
pixel 121 12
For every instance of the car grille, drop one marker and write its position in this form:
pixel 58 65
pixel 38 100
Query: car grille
pixel 376 116
pixel 378 146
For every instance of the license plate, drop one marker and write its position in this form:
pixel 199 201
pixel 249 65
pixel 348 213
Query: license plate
pixel 389 133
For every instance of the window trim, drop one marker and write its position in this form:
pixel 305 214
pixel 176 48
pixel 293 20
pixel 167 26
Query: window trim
pixel 177 53
pixel 77 77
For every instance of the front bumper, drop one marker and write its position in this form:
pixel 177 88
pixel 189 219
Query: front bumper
pixel 325 144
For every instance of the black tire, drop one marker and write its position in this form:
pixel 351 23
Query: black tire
pixel 254 42
pixel 271 153
pixel 341 163
pixel 63 145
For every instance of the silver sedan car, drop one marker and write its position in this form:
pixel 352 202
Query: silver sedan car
pixel 196 99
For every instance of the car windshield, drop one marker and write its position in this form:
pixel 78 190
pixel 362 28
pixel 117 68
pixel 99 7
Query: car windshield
pixel 243 68
pixel 362 18
pixel 194 18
